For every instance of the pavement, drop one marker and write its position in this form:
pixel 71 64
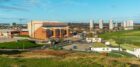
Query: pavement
pixel 5 39
pixel 79 46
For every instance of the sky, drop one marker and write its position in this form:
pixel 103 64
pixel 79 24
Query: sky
pixel 23 11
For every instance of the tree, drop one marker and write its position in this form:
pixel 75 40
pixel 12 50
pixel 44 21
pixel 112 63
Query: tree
pixel 119 41
pixel 90 35
pixel 14 24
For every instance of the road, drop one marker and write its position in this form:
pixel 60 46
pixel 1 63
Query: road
pixel 80 46
pixel 5 39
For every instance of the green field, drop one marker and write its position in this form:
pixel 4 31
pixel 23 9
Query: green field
pixel 127 39
pixel 18 45
pixel 72 60
pixel 99 45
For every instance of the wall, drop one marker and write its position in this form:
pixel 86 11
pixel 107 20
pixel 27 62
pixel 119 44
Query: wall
pixel 33 26
pixel 105 49
pixel 24 33
pixel 40 33
pixel 36 30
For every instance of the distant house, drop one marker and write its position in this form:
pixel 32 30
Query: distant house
pixel 24 32
pixel 93 40
pixel 43 30
pixel 6 33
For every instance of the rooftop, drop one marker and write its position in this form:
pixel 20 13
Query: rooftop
pixel 51 24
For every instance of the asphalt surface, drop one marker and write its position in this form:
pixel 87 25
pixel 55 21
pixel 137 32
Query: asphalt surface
pixel 79 46
pixel 5 39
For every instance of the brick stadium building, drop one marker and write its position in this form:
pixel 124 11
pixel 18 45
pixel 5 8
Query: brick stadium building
pixel 43 30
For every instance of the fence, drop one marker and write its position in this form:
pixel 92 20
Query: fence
pixel 105 49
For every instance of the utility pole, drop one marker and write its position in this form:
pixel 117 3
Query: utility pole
pixel 119 42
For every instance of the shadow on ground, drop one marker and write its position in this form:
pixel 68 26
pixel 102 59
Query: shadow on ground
pixel 12 52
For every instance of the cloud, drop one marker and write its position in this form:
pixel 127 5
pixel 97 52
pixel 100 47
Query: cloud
pixel 6 18
pixel 80 3
pixel 20 5
pixel 5 0
pixel 33 2
pixel 12 8
pixel 29 3
pixel 10 16
pixel 76 2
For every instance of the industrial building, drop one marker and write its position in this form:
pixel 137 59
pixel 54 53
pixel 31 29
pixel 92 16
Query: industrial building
pixel 43 30
pixel 126 25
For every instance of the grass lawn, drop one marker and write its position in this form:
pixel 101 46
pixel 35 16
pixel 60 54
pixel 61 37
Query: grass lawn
pixel 99 45
pixel 120 54
pixel 48 62
pixel 72 60
pixel 127 39
pixel 18 45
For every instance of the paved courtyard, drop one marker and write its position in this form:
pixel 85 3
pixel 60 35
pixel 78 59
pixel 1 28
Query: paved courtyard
pixel 79 46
